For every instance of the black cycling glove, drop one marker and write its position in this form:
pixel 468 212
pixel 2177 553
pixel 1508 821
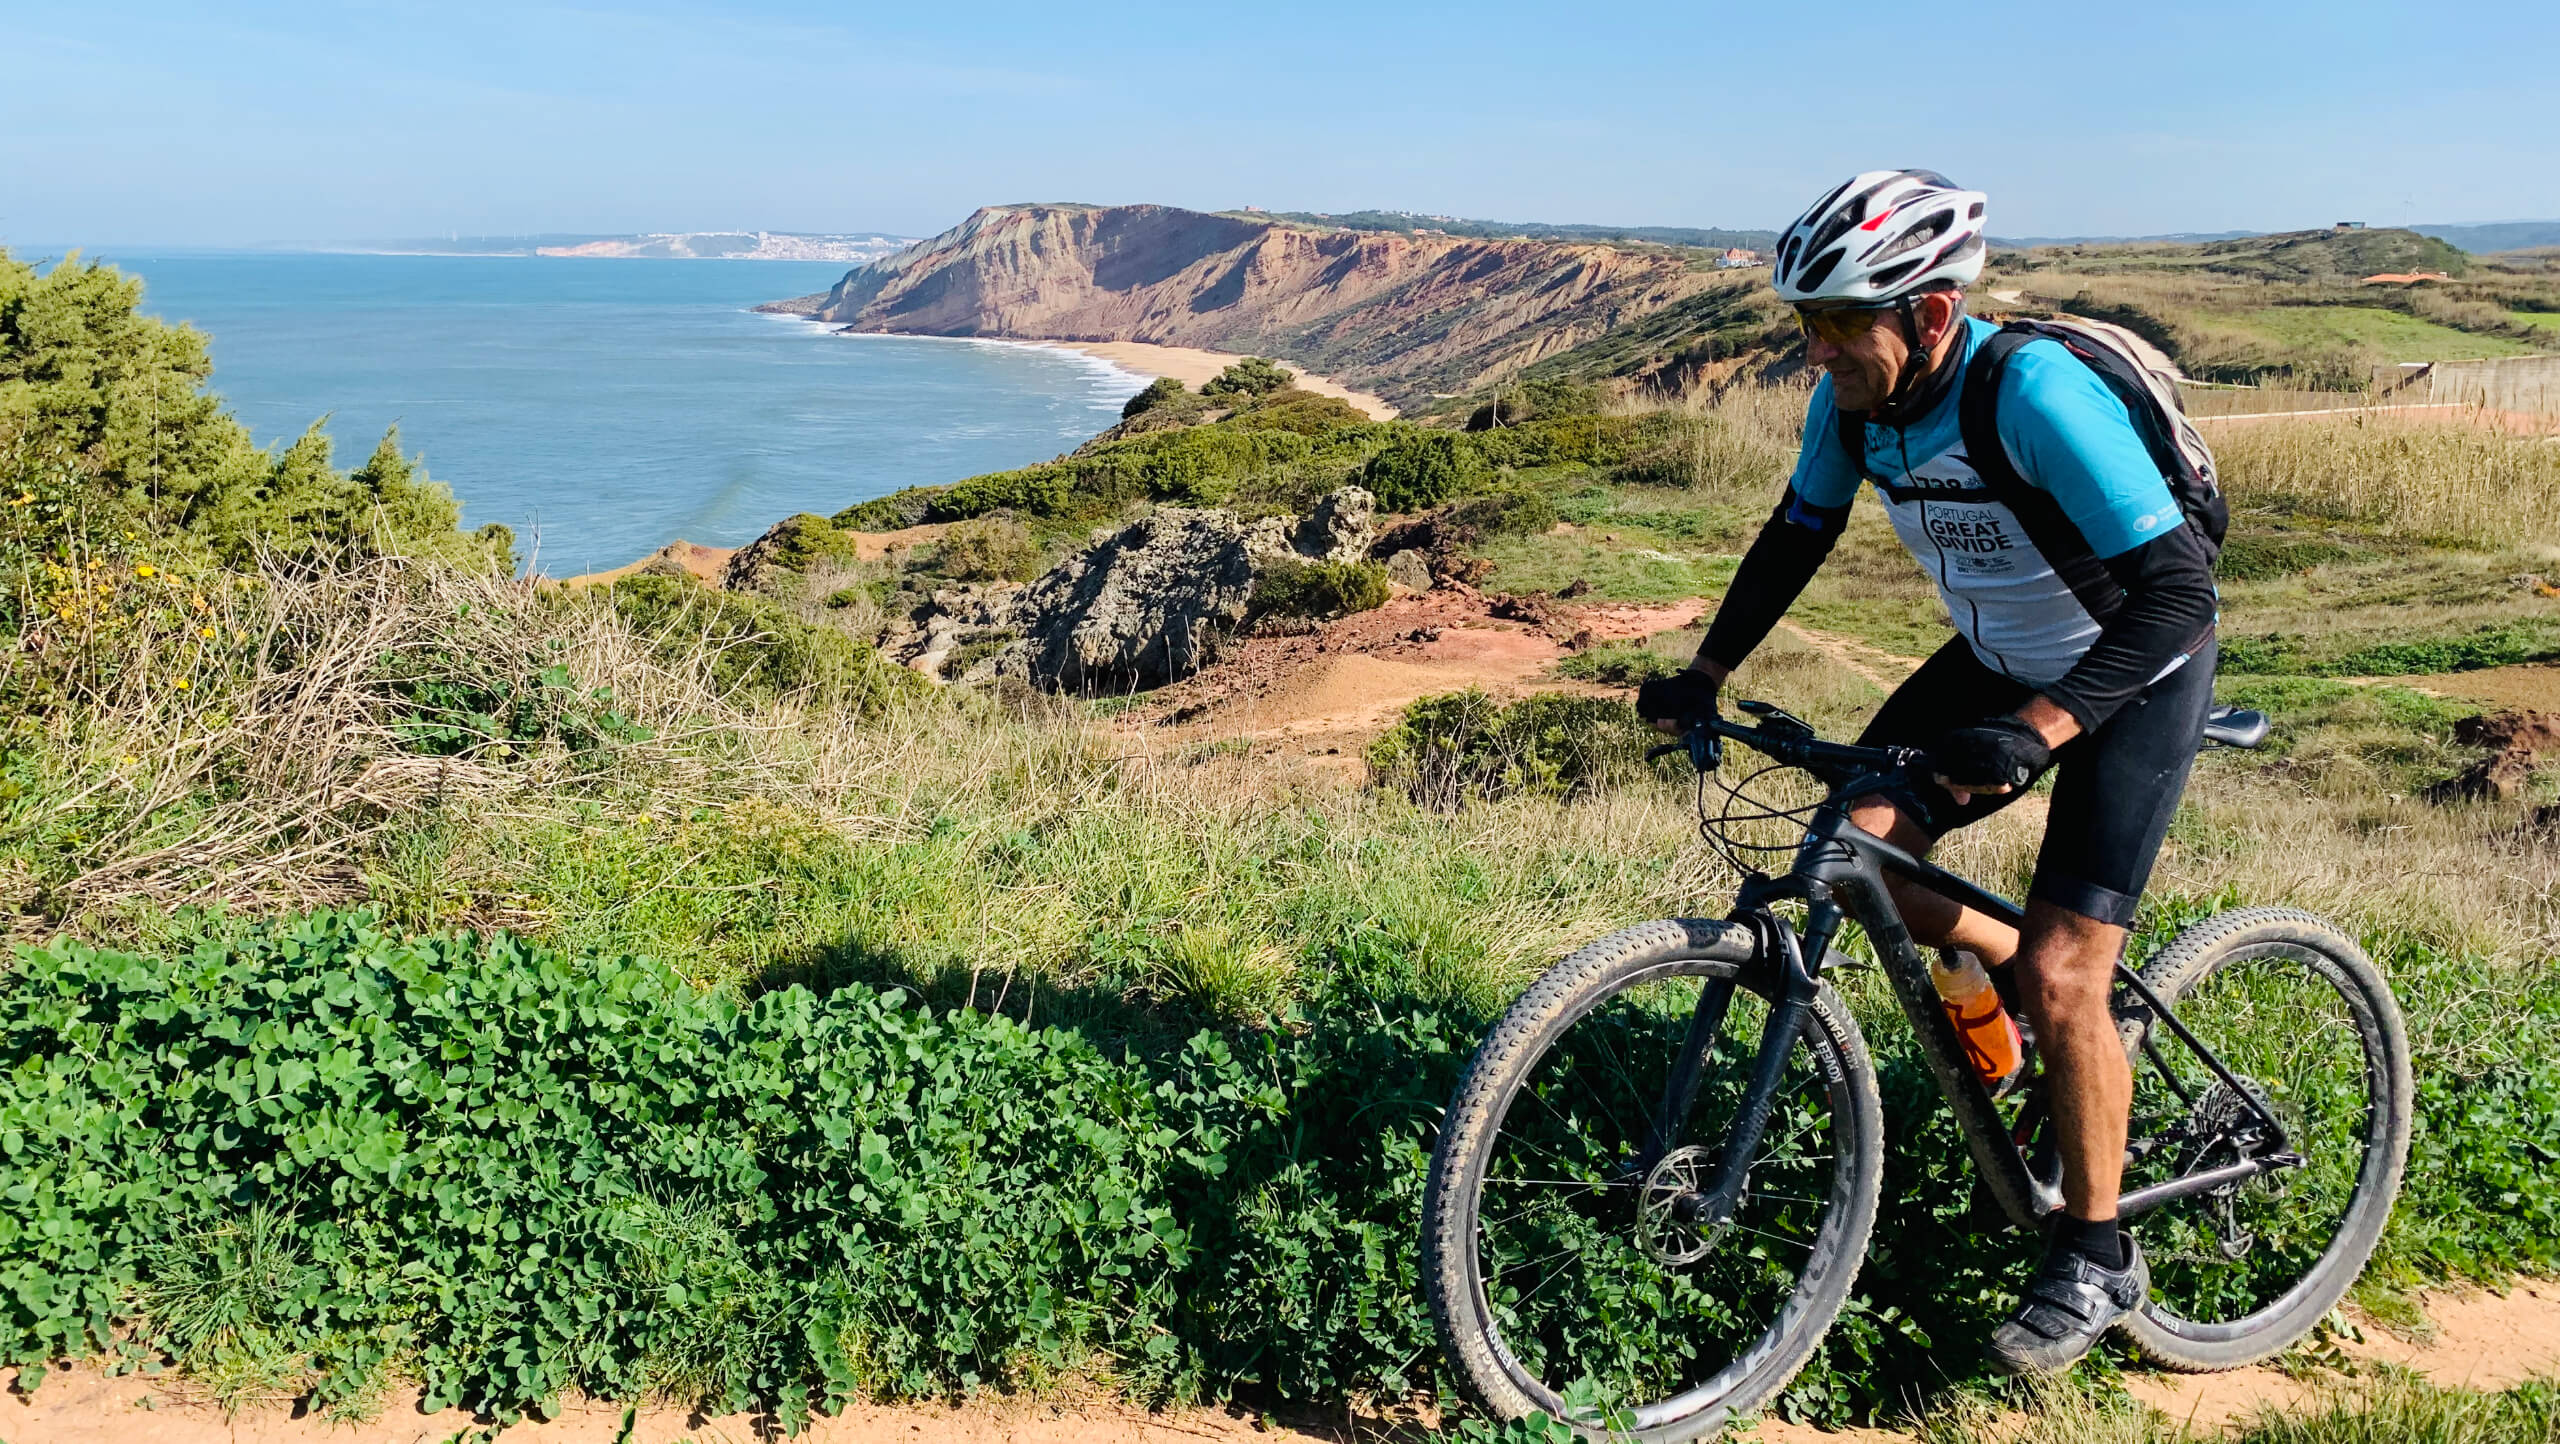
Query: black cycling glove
pixel 1687 695
pixel 1995 752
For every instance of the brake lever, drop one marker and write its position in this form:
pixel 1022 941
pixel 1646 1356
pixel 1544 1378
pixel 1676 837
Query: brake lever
pixel 1705 749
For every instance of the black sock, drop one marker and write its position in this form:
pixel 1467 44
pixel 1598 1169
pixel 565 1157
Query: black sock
pixel 2101 1242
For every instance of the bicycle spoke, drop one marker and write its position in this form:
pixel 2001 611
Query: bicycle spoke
pixel 1564 1259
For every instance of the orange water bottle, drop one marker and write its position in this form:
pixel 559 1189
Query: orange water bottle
pixel 1991 1040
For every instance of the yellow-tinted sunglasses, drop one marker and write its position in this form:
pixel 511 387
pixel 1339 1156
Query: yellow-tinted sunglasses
pixel 1839 325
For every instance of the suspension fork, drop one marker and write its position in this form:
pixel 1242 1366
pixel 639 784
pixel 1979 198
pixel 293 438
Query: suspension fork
pixel 1797 987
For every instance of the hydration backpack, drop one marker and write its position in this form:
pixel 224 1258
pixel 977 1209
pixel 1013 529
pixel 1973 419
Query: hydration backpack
pixel 2145 380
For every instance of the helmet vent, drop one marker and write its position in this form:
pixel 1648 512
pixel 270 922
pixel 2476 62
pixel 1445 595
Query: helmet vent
pixel 1911 240
pixel 1893 274
pixel 1814 273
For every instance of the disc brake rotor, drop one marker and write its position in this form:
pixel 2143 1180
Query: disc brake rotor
pixel 1660 1231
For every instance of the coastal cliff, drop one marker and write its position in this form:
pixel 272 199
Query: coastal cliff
pixel 1402 315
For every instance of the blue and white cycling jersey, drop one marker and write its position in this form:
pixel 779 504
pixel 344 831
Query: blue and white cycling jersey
pixel 2069 436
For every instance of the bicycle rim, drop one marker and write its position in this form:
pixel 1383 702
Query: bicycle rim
pixel 1601 1304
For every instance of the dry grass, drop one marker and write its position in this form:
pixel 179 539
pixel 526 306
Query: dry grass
pixel 255 750
pixel 2441 482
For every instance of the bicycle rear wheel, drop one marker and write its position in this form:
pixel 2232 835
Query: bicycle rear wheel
pixel 1559 1270
pixel 2306 1027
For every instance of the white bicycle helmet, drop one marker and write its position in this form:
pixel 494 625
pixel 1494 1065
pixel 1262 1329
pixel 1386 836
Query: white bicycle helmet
pixel 1880 237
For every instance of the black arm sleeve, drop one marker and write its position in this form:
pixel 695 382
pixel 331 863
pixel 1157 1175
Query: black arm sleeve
pixel 1786 554
pixel 2169 607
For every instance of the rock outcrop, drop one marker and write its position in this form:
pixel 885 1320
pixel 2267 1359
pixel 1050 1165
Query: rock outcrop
pixel 1404 315
pixel 1340 527
pixel 1144 607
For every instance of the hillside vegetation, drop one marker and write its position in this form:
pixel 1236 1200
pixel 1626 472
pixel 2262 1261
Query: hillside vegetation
pixel 644 991
pixel 2289 309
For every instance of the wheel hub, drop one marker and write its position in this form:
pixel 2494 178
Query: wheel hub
pixel 1673 1223
pixel 2225 1120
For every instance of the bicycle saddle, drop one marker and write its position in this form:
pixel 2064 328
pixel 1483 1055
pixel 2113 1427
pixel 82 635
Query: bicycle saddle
pixel 2235 727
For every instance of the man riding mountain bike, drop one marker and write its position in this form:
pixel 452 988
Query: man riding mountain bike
pixel 2082 595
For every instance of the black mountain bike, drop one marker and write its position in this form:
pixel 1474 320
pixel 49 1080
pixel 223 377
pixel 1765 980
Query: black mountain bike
pixel 1654 1185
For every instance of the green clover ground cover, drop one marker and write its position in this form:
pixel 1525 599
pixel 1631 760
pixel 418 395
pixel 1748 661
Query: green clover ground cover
pixel 323 1156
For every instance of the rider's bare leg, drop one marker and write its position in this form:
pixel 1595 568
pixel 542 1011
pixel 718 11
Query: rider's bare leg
pixel 1934 920
pixel 2066 963
pixel 2067 966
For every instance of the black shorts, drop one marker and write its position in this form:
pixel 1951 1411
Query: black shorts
pixel 2114 791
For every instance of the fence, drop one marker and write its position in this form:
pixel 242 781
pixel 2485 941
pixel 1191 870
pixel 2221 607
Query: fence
pixel 2522 385
pixel 2526 384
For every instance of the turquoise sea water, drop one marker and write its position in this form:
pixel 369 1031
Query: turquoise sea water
pixel 609 407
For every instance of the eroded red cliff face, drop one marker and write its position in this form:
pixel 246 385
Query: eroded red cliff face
pixel 1403 315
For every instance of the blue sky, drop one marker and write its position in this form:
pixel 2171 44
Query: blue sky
pixel 242 123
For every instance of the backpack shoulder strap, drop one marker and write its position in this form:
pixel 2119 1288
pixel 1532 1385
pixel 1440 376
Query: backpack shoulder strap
pixel 1978 410
pixel 1978 421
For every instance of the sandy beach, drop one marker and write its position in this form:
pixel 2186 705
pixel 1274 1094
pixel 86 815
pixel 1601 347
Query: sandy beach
pixel 1192 367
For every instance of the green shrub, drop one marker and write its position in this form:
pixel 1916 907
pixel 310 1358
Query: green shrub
pixel 1516 405
pixel 1044 490
pixel 1421 469
pixel 757 646
pixel 894 512
pixel 1502 513
pixel 1461 745
pixel 1252 376
pixel 1158 392
pixel 807 539
pixel 1303 412
pixel 986 550
pixel 1290 587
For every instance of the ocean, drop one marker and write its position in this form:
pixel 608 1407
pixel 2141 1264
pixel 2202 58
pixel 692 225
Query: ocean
pixel 604 408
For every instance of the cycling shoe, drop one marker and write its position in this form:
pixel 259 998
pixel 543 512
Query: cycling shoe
pixel 2069 1304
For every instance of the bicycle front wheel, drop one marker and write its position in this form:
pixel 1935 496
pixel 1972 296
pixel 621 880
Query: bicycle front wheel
pixel 1560 1271
pixel 2307 1031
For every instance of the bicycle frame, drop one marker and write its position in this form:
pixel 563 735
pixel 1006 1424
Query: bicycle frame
pixel 1839 874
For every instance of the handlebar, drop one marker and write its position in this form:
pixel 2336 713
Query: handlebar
pixel 1788 740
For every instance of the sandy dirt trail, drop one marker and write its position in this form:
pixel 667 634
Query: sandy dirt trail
pixel 2479 1340
pixel 1325 693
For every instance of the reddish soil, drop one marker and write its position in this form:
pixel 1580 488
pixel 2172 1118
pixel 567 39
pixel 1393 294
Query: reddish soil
pixel 2479 1340
pixel 1326 692
pixel 2475 1341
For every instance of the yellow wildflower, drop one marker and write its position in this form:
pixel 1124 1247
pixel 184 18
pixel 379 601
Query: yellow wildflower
pixel 93 564
pixel 24 498
pixel 180 683
pixel 145 571
pixel 128 760
pixel 208 634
